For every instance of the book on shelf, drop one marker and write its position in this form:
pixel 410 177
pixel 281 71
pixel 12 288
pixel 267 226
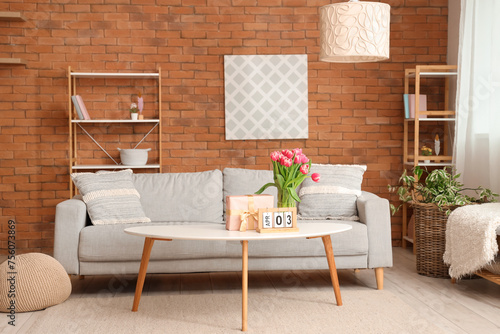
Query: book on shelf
pixel 407 109
pixel 77 107
pixel 409 104
pixel 83 109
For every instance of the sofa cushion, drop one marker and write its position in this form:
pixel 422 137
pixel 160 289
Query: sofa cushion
pixel 351 242
pixel 238 181
pixel 111 197
pixel 109 243
pixel 184 197
pixel 334 197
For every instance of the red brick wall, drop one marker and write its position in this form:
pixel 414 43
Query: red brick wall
pixel 355 110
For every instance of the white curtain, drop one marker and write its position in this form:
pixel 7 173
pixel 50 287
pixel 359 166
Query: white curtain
pixel 477 143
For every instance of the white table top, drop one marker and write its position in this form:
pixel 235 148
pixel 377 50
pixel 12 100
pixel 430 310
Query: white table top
pixel 211 231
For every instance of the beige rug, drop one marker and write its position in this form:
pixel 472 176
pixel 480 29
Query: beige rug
pixel 364 311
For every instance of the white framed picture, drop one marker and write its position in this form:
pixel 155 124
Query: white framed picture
pixel 266 97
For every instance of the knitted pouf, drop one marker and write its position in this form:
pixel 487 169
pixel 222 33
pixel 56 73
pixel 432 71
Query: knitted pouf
pixel 37 281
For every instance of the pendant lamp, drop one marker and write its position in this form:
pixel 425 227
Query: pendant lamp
pixel 354 32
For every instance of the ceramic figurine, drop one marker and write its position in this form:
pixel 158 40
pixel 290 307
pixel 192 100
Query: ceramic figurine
pixel 437 145
pixel 140 105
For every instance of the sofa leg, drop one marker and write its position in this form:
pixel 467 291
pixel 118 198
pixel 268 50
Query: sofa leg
pixel 379 276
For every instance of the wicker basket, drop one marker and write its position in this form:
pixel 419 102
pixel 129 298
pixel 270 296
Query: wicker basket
pixel 430 230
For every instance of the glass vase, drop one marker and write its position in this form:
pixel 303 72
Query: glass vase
pixel 285 200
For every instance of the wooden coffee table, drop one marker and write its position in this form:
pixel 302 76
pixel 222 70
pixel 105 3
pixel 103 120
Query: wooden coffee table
pixel 210 231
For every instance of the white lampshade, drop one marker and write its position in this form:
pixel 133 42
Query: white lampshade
pixel 354 32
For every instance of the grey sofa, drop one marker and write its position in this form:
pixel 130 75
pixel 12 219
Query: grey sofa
pixel 184 198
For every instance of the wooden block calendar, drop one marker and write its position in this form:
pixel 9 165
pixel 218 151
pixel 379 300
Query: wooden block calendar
pixel 277 220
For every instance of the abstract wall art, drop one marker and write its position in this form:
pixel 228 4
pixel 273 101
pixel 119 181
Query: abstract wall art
pixel 266 97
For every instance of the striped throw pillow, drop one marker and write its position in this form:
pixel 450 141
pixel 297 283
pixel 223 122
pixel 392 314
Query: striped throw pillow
pixel 335 196
pixel 111 197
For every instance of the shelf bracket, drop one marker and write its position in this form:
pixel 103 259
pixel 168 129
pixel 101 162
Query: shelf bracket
pixel 147 134
pixel 95 141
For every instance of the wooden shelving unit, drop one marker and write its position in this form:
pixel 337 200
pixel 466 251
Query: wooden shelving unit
pixel 14 17
pixel 411 155
pixel 75 123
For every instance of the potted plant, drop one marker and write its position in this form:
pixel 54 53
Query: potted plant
pixel 432 201
pixel 134 111
pixel 441 188
pixel 290 169
pixel 426 151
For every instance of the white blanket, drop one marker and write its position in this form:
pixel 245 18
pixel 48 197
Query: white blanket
pixel 471 238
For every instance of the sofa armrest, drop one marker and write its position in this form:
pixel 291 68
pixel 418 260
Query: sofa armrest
pixel 71 217
pixel 374 212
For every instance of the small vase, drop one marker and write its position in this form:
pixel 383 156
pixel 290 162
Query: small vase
pixel 285 200
pixel 134 115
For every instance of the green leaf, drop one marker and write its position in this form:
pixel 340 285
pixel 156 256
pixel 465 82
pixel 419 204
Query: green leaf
pixel 264 187
pixel 281 180
pixel 418 171
pixel 275 167
pixel 402 191
pixel 294 183
pixel 294 195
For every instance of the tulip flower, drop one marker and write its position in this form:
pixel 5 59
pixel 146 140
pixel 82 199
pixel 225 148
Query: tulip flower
pixel 275 156
pixel 315 177
pixel 304 159
pixel 287 153
pixel 304 169
pixel 286 162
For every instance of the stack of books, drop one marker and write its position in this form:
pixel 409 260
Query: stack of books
pixel 409 102
pixel 80 108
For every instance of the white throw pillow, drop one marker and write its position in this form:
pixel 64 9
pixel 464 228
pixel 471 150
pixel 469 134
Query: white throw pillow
pixel 335 196
pixel 111 197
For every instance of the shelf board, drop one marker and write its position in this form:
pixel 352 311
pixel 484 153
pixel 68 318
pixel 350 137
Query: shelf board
pixel 431 119
pixel 433 74
pixel 489 276
pixel 90 121
pixel 439 113
pixel 432 71
pixel 13 61
pixel 114 166
pixel 114 75
pixel 407 238
pixel 431 164
pixel 431 157
pixel 12 16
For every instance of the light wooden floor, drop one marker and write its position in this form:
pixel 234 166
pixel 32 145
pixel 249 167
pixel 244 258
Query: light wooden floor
pixel 471 306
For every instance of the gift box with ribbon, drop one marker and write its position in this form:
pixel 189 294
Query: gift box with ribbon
pixel 242 211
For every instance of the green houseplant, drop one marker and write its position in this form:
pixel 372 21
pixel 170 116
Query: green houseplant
pixel 440 188
pixel 432 201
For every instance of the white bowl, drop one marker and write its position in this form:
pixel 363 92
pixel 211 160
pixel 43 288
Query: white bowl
pixel 134 156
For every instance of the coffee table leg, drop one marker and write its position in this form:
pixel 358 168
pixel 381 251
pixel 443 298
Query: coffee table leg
pixel 148 245
pixel 244 285
pixel 327 242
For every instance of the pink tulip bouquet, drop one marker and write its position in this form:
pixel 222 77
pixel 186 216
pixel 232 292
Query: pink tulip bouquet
pixel 291 168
